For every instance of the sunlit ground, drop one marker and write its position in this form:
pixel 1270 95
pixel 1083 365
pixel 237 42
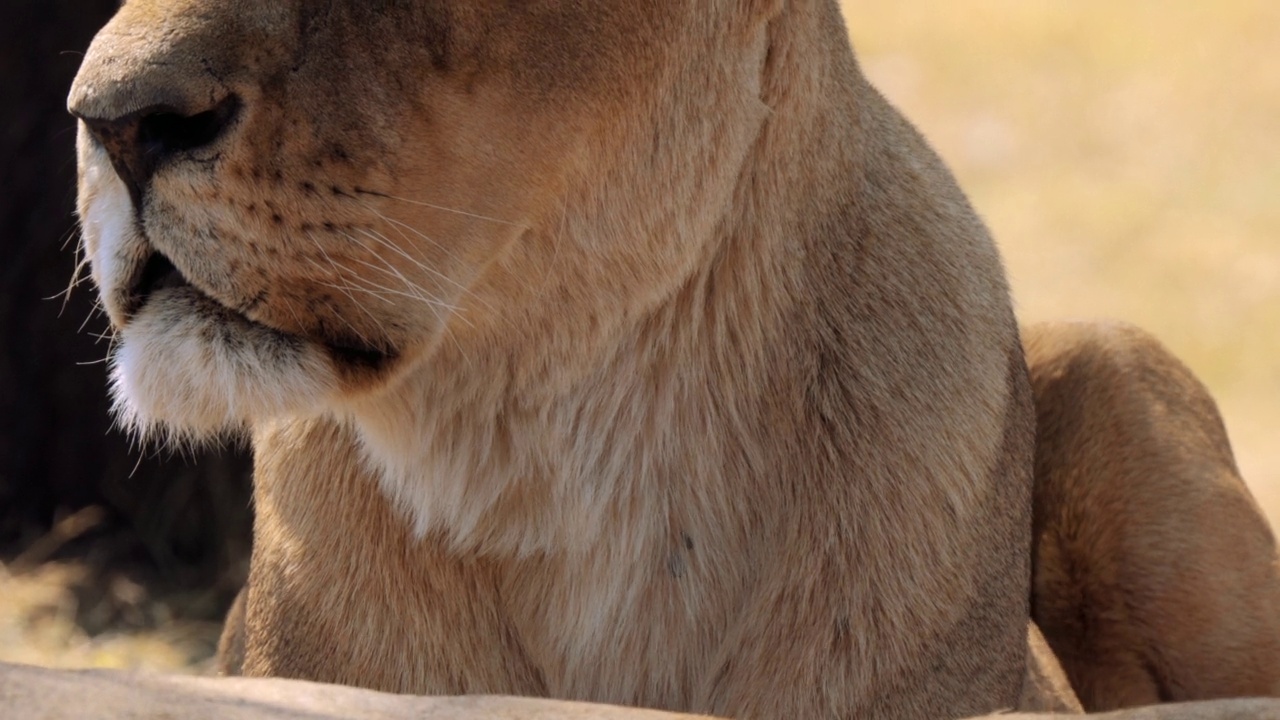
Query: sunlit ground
pixel 58 616
pixel 1126 156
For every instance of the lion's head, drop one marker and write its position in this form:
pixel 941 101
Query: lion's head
pixel 287 204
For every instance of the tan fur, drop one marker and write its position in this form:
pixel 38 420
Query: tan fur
pixel 1045 686
pixel 589 351
pixel 229 656
pixel 1155 571
pixel 1156 574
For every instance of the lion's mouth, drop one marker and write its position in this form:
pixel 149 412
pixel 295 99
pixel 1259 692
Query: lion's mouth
pixel 159 273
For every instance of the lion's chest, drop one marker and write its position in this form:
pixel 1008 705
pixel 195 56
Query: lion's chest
pixel 625 625
pixel 619 553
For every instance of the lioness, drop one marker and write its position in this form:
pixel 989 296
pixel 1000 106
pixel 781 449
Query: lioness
pixel 590 350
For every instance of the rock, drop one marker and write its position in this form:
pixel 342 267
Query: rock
pixel 31 693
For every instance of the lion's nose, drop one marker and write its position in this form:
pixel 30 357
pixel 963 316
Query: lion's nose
pixel 156 84
pixel 140 141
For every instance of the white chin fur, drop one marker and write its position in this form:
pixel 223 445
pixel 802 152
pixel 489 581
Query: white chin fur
pixel 189 369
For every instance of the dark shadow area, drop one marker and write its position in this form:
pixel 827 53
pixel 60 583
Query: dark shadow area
pixel 71 487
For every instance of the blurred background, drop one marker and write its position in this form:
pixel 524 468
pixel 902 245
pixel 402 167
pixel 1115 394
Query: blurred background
pixel 109 555
pixel 1125 154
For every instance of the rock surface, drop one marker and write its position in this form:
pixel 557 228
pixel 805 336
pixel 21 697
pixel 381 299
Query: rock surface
pixel 32 693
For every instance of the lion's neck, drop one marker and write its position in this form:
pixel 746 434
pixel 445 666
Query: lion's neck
pixel 592 402
pixel 501 463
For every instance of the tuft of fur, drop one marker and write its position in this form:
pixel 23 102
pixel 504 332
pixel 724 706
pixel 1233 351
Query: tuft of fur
pixel 184 367
pixel 109 232
pixel 187 366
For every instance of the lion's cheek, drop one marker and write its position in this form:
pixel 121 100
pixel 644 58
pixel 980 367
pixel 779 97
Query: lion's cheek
pixel 187 369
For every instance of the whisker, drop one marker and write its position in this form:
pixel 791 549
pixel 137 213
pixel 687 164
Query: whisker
pixel 442 208
pixel 379 291
pixel 384 240
pixel 77 277
pixel 399 225
pixel 555 248
pixel 294 314
pixel 409 286
pixel 338 272
pixel 415 292
pixel 348 287
pixel 412 291
pixel 66 237
pixel 345 288
pixel 434 304
pixel 417 263
pixel 97 308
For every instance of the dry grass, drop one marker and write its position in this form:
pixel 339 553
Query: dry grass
pixel 78 596
pixel 1127 158
pixel 62 614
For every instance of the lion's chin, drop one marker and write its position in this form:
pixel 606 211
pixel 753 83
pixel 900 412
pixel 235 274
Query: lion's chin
pixel 189 369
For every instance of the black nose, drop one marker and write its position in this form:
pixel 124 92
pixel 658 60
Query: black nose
pixel 141 141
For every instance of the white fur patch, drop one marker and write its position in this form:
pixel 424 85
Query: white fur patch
pixel 191 369
pixel 109 220
pixel 185 367
pixel 114 246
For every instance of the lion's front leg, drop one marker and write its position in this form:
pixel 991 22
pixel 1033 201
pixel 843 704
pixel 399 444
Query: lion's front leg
pixel 229 658
pixel 340 590
pixel 1156 574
